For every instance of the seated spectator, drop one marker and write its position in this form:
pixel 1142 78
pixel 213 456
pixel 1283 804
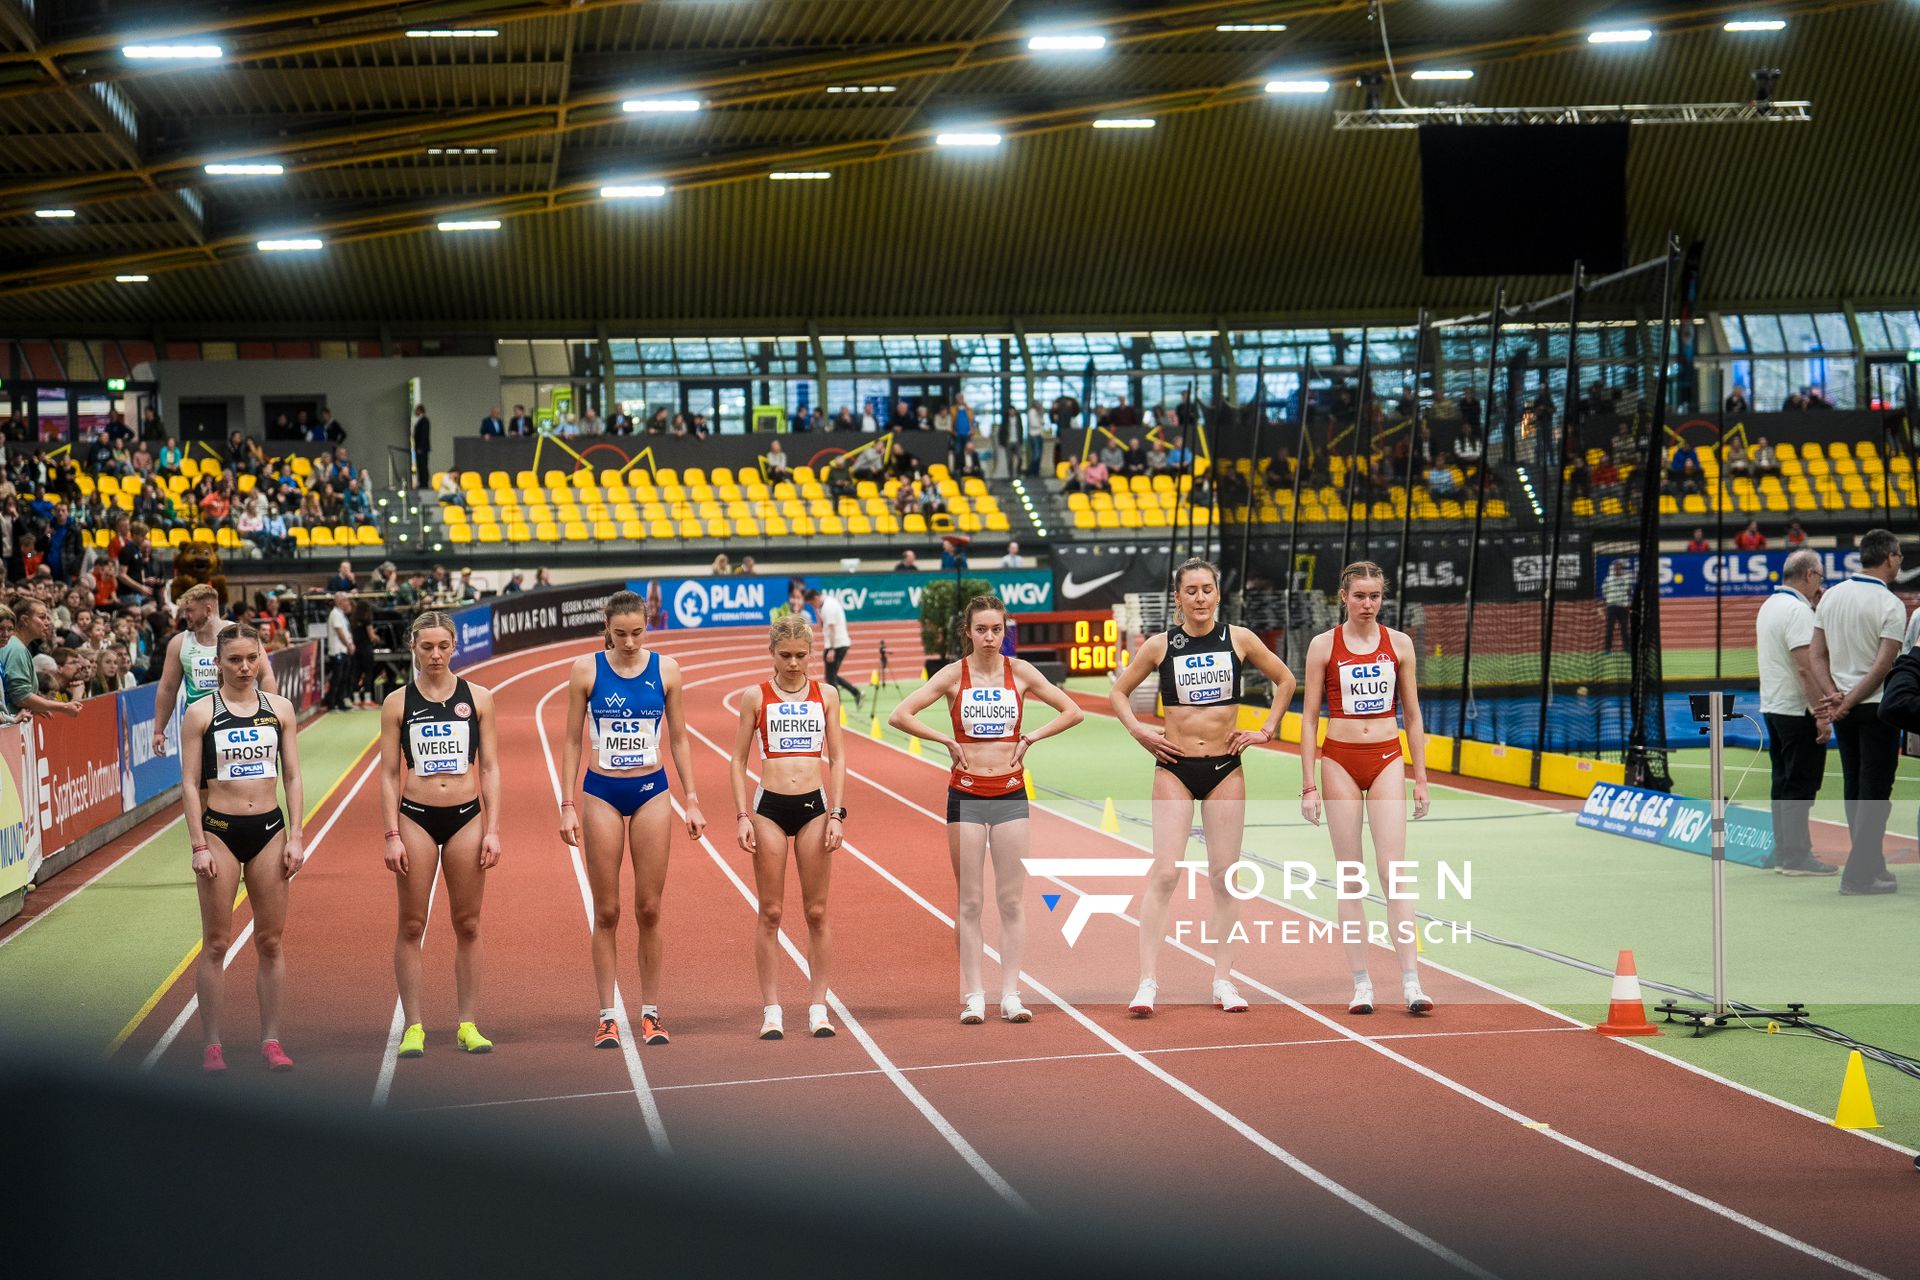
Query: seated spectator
pixel 840 483
pixel 932 501
pixel 448 492
pixel 1157 458
pixel 1750 538
pixel 1233 488
pixel 142 460
pixel 343 579
pixel 216 505
pixel 1737 402
pixel 357 504
pixel 1094 476
pixel 1817 398
pixel 906 497
pixel 340 470
pixel 746 568
pixel 1074 482
pixel 1738 459
pixel 1113 457
pixel 1580 479
pixel 970 463
pixel 252 521
pixel 1683 468
pixel 1178 457
pixel 1136 458
pixel 1796 536
pixel 1280 470
pixel 868 465
pixel 775 464
pixel 901 462
pixel 1698 542
pixel 1379 477
pixel 310 515
pixel 1765 461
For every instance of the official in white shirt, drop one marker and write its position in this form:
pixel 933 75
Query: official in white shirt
pixel 835 640
pixel 1795 705
pixel 1857 631
pixel 1013 559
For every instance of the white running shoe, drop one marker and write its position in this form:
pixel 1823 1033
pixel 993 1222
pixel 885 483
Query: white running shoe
pixel 974 1011
pixel 770 1026
pixel 1362 1001
pixel 1417 1000
pixel 1142 1006
pixel 1012 1010
pixel 1227 998
pixel 817 1025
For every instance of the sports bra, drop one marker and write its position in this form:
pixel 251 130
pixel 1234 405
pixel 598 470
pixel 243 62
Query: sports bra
pixel 1362 685
pixel 237 748
pixel 1200 671
pixel 437 739
pixel 791 724
pixel 624 715
pixel 985 712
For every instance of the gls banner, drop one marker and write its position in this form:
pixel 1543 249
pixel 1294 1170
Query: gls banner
pixel 1677 822
pixel 1694 574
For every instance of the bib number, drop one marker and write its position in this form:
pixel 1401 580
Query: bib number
pixel 252 751
pixel 1202 678
pixel 203 672
pixel 440 747
pixel 988 713
pixel 796 727
pixel 1366 688
pixel 628 743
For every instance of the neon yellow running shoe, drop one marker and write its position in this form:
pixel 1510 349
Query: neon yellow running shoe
pixel 471 1040
pixel 414 1042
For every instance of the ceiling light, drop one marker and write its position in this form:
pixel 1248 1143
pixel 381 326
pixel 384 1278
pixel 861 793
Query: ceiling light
pixel 470 224
pixel 268 168
pixel 1298 86
pixel 968 139
pixel 1631 35
pixel 660 106
pixel 53 213
pixel 800 175
pixel 860 88
pixel 1251 26
pixel 303 244
pixel 1066 43
pixel 173 52
pixel 463 151
pixel 130 279
pixel 641 191
pixel 1125 122
pixel 461 33
pixel 1756 24
pixel 1461 74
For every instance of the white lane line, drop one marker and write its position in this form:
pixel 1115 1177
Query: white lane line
pixel 383 1084
pixel 187 1011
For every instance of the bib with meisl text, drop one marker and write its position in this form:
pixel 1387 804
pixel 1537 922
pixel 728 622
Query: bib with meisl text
pixel 627 742
pixel 989 711
pixel 246 751
pixel 798 728
pixel 1202 678
pixel 1367 687
pixel 440 747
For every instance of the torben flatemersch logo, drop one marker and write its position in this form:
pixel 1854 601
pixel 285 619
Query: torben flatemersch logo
pixel 1247 880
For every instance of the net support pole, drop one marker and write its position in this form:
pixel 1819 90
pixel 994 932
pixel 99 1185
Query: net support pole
pixel 1716 751
pixel 1413 428
pixel 1220 456
pixel 1479 515
pixel 1253 480
pixel 1720 543
pixel 1557 461
pixel 1353 459
pixel 1648 688
pixel 1293 522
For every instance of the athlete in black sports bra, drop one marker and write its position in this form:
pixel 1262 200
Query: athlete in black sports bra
pixel 439 772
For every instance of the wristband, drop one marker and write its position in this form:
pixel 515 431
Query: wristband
pixel 743 814
pixel 1310 791
pixel 200 848
pixel 566 804
pixel 391 834
pixel 838 815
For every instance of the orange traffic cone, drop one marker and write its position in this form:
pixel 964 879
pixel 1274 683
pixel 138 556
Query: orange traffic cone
pixel 1627 1012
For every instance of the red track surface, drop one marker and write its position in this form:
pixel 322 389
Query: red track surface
pixel 1492 1136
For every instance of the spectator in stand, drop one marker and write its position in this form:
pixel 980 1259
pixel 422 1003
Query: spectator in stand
pixel 1750 538
pixel 343 579
pixel 906 497
pixel 971 465
pixel 960 422
pixel 1698 542
pixel 1113 456
pixel 356 505
pixel 493 426
pixel 746 568
pixel 844 420
pixel 1766 462
pixel 516 583
pixel 1280 470
pixel 1795 706
pixel 142 460
pixel 721 567
pixel 1737 459
pixel 1817 398
pixel 1123 415
pixel 170 456
pixel 1469 409
pixel 1858 628
pixel 775 463
pixel 1737 402
pixel 1794 403
pixel 1157 458
pixel 32 624
pixel 1179 457
pixel 251 523
pixel 65 548
pixel 923 417
pixel 29 559
pixel 151 428
pixel 139 575
pixel 932 501
pixel 448 491
pixel 1093 476
pixel 521 423
pixel 216 505
pixel 840 483
pixel 1135 461
pixel 1683 468
pixel 1797 536
pixel 618 421
pixel 422 439
pixel 328 430
pixel 1013 558
pixel 908 562
pixel 542 579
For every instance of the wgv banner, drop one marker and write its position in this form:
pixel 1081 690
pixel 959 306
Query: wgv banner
pixel 1694 574
pixel 1677 822
pixel 867 597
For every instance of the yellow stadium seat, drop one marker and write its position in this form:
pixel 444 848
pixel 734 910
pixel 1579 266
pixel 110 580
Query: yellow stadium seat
pixel 546 531
pixel 525 480
pixel 1151 518
pixel 227 538
pixel 665 476
pixel 859 526
pixel 107 485
pixel 459 535
pixel 974 487
pixel 497 480
pixel 1083 520
pixel 632 529
pixel 517 531
pixel 178 484
pixel 803 474
pixel 300 536
pixel 453 515
pixel 369 536
pixel 470 480
pixel 747 528
pixel 691 528
pixel 692 476
pixel 659 528
pixel 553 479
pixel 575 531
pixel 832 527
pixel 302 466
pixel 322 536
pixel 997 523
pixel 914 523
pixel 605 530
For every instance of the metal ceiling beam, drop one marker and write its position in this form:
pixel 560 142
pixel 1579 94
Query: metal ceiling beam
pixel 1631 113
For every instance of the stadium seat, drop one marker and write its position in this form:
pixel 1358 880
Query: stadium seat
pixel 689 527
pixel 659 528
pixel 546 531
pixel 553 479
pixel 1083 519
pixel 322 536
pixel 859 526
pixel 453 515
pixel 459 535
pixel 226 539
pixel 575 531
pixel 832 527
pixel 997 522
pixel 693 476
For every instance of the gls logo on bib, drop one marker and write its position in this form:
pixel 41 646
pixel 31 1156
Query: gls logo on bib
pixel 1366 688
pixel 1201 678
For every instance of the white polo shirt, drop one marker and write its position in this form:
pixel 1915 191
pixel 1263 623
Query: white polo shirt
pixel 1857 615
pixel 833 622
pixel 1784 623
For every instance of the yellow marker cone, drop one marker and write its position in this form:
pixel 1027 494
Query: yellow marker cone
pixel 913 746
pixel 1419 947
pixel 875 733
pixel 1856 1102
pixel 1029 774
pixel 873 677
pixel 1109 820
pixel 843 715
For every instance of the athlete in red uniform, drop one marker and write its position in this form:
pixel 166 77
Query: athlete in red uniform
pixel 986 795
pixel 1366 673
pixel 797 724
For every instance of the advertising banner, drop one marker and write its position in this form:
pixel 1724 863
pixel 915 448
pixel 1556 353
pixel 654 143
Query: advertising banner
pixel 19 845
pixel 78 787
pixel 686 603
pixel 714 602
pixel 144 775
pixel 1697 574
pixel 532 618
pixel 1677 822
pixel 473 636
pixel 297 671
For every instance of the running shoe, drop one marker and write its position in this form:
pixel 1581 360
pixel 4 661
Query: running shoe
pixel 651 1031
pixel 974 1011
pixel 1012 1010
pixel 608 1035
pixel 471 1040
pixel 275 1057
pixel 1809 866
pixel 414 1042
pixel 770 1028
pixel 1417 1000
pixel 1142 1006
pixel 213 1060
pixel 1362 1001
pixel 1227 997
pixel 817 1024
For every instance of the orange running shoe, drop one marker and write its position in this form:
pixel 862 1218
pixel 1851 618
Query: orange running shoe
pixel 608 1035
pixel 651 1032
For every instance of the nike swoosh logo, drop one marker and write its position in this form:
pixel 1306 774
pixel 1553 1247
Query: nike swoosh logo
pixel 1071 590
pixel 1223 764
pixel 1906 576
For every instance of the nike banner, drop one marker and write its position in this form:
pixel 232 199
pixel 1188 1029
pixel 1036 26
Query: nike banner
pixel 1097 577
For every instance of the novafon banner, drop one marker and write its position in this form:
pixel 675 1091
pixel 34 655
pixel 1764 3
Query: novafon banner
pixel 1677 822
pixel 1693 574
pixel 534 618
pixel 144 775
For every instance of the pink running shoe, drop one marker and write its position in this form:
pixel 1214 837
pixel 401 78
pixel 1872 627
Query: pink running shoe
pixel 212 1060
pixel 276 1057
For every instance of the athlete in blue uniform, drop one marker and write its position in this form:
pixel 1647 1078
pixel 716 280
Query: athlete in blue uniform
pixel 626 696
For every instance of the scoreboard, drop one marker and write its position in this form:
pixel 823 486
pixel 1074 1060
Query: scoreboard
pixel 1084 642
